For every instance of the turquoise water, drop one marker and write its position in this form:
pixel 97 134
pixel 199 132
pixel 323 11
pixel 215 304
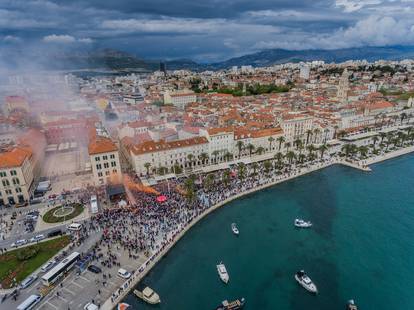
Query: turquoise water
pixel 361 245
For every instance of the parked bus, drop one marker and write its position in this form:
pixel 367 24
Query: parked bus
pixel 30 302
pixel 94 204
pixel 75 227
pixel 60 269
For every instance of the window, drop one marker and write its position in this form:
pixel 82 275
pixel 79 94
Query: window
pixel 6 182
pixel 105 157
pixel 113 164
pixel 114 171
pixel 2 174
pixel 106 172
pixel 112 156
pixel 106 165
pixel 13 172
pixel 8 191
pixel 16 181
pixel 97 158
pixel 18 190
pixel 98 166
pixel 100 174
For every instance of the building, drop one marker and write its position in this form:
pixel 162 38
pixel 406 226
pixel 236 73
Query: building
pixel 16 175
pixel 343 87
pixel 180 99
pixel 304 72
pixel 220 142
pixel 104 158
pixel 133 99
pixel 68 130
pixel 295 126
pixel 150 156
pixel 16 103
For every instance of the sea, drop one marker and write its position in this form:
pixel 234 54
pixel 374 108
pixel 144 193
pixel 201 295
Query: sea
pixel 361 246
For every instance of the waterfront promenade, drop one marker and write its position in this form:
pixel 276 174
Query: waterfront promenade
pixel 143 270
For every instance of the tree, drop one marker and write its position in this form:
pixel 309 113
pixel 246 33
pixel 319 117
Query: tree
pixel 271 140
pixel 301 158
pixel 204 158
pixel 316 132
pixel 322 149
pixel 241 170
pixel 226 177
pixel 260 150
pixel 228 156
pixel 308 135
pixel 403 116
pixel 162 170
pixel 190 159
pixel 383 135
pixel 177 169
pixel 311 148
pixel 297 143
pixel 250 147
pixel 267 165
pixel 375 140
pixel 363 150
pixel 209 181
pixel 255 166
pixel 240 146
pixel 336 127
pixel 290 156
pixel 147 166
pixel 215 154
pixel 287 145
pixel 281 140
pixel 189 186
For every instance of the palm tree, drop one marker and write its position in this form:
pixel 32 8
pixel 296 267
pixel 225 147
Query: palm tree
pixel 308 134
pixel 190 159
pixel 363 150
pixel 316 131
pixel 297 142
pixel 267 166
pixel 346 149
pixel 204 158
pixel 240 146
pixel 226 177
pixel 326 131
pixel 311 148
pixel 290 156
pixel 208 181
pixel 271 140
pixel 255 166
pixel 323 148
pixel 375 140
pixel 190 188
pixel 383 135
pixel 147 166
pixel 250 147
pixel 281 139
pixel 287 146
pixel 162 170
pixel 241 170
pixel 403 116
pixel 215 154
pixel 301 158
pixel 228 156
pixel 176 169
pixel 260 150
pixel 336 127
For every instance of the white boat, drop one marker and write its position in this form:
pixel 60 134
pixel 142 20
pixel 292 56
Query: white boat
pixel 234 229
pixel 303 279
pixel 302 224
pixel 351 305
pixel 222 271
pixel 148 295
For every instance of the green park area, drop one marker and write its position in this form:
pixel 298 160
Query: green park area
pixel 63 213
pixel 20 263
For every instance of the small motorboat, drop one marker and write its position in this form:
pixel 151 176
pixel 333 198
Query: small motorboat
pixel 302 224
pixel 303 279
pixel 232 305
pixel 222 271
pixel 148 295
pixel 351 305
pixel 235 229
pixel 123 306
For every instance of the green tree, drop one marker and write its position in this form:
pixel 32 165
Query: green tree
pixel 267 165
pixel 290 156
pixel 260 150
pixel 240 145
pixel 271 140
pixel 147 166
pixel 322 149
pixel 281 140
pixel 250 147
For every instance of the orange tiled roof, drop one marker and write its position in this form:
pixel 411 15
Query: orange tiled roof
pixel 14 157
pixel 101 145
pixel 151 146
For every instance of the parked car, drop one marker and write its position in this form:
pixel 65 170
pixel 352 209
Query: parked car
pixel 18 243
pixel 124 273
pixel 37 238
pixel 90 306
pixel 48 265
pixel 28 281
pixel 54 233
pixel 94 269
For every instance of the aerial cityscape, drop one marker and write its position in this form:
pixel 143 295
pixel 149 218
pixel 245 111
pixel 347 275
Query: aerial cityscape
pixel 206 155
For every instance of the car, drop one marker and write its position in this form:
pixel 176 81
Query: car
pixel 19 243
pixel 37 238
pixel 90 306
pixel 124 273
pixel 54 233
pixel 28 281
pixel 48 265
pixel 94 269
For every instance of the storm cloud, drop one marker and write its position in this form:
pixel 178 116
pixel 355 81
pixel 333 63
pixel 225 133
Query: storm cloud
pixel 207 30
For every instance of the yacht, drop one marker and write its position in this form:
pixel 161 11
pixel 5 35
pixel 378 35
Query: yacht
pixel 351 305
pixel 222 271
pixel 234 229
pixel 303 279
pixel 302 224
pixel 232 305
pixel 148 295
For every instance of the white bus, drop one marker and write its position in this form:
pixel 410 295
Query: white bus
pixel 94 204
pixel 30 302
pixel 75 227
pixel 60 269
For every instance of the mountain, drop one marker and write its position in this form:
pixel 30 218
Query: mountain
pixel 278 56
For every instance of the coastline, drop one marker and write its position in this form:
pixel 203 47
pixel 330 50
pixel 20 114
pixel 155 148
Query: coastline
pixel 139 274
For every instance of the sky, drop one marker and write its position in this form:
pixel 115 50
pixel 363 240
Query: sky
pixel 202 30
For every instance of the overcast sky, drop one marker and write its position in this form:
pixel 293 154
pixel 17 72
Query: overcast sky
pixel 204 30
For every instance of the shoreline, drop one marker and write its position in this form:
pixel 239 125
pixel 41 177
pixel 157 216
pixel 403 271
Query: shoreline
pixel 143 270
